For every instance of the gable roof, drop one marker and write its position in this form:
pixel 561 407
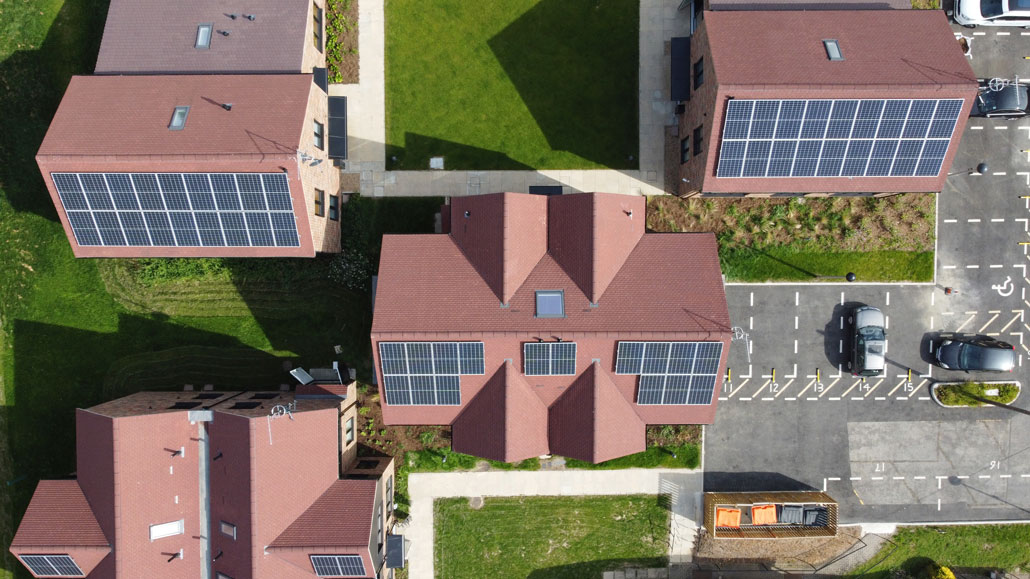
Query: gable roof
pixel 506 421
pixel 341 517
pixel 889 51
pixel 609 274
pixel 128 116
pixel 158 36
pixel 59 515
pixel 592 421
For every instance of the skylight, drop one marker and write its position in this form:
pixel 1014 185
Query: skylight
pixel 833 49
pixel 179 118
pixel 203 37
pixel 550 304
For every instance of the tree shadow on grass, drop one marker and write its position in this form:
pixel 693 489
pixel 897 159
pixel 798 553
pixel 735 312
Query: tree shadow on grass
pixel 575 64
pixel 32 83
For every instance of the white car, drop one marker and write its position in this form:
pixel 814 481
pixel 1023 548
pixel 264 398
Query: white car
pixel 973 13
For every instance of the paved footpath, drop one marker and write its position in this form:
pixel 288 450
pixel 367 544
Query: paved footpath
pixel 683 486
pixel 366 119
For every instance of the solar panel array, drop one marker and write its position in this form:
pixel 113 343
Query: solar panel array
pixel 338 565
pixel 427 373
pixel 836 138
pixel 671 372
pixel 178 209
pixel 51 565
pixel 550 358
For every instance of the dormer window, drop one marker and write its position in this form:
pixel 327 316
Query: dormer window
pixel 833 49
pixel 178 118
pixel 203 37
pixel 550 304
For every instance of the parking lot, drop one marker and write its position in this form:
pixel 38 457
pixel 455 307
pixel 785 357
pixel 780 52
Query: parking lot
pixel 792 416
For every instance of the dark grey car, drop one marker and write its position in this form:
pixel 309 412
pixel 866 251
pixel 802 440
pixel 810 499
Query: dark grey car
pixel 976 353
pixel 868 342
pixel 1010 102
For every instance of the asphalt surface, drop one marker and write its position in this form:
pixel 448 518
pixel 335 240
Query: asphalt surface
pixel 791 416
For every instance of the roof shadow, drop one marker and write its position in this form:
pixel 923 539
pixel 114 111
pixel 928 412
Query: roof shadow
pixel 421 148
pixel 34 83
pixel 578 75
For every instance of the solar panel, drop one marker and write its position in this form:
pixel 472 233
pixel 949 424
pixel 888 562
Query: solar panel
pixel 549 358
pixel 178 209
pixel 836 138
pixel 51 565
pixel 671 372
pixel 427 373
pixel 338 565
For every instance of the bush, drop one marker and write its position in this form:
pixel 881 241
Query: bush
pixel 352 269
pixel 971 394
pixel 155 271
pixel 935 571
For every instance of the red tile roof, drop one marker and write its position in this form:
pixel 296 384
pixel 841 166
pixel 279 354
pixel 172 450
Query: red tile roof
pixel 59 515
pixel 157 36
pixel 341 517
pixel 888 52
pixel 810 5
pixel 507 406
pixel 127 117
pixel 619 283
pixel 592 421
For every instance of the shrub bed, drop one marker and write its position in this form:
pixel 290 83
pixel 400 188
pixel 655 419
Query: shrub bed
pixel 973 393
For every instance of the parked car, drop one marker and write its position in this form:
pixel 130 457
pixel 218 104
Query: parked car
pixel 1009 102
pixel 980 353
pixel 868 342
pixel 973 13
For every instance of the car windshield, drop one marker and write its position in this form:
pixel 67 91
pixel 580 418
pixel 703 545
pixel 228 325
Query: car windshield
pixel 1011 98
pixel 990 8
pixel 871 333
pixel 980 358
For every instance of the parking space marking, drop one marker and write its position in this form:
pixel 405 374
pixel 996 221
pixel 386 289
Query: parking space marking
pixel 998 220
pixel 951 220
pixel 870 390
pixel 989 322
pixel 998 173
pixel 759 391
pixel 895 389
pixel 857 382
pixel 827 389
pixel 1018 316
pixel 949 267
pixel 918 388
pixel 973 220
pixel 969 319
pixel 972 267
pixel 738 388
pixel 979 34
pixel 995 265
pixel 1001 128
pixel 1002 33
pixel 977 128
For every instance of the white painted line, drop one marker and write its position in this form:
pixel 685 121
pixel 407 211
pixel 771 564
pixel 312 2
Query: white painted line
pixel 897 478
pixel 796 297
pixel 974 220
pixel 795 322
pixel 795 346
pixel 1003 33
pixel 949 267
pixel 842 298
pixel 811 398
pixel 880 398
pixel 1024 476
pixel 998 173
pixel 999 127
pixel 984 476
pixel 995 265
pixel 976 128
pixel 834 478
pixel 888 298
pixel 751 322
pixel 876 478
pixel 833 398
pixel 855 478
pixel 752 299
pixel 924 397
pixel 723 398
pixel 748 398
pixel 972 267
pixel 962 476
pixel 902 397
pixel 790 399
pixel 951 220
pixel 1024 33
pixel 938 504
pixel 979 34
pixel 998 220
pixel 858 398
pixel 919 477
pixel 1004 476
pixel 767 399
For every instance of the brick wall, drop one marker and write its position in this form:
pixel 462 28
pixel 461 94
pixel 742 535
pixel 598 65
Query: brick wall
pixel 698 113
pixel 312 57
pixel 325 233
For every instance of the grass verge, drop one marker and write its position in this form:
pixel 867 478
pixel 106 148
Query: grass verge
pixel 549 537
pixel 977 548
pixel 541 84
pixel 974 393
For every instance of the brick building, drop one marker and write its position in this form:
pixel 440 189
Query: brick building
pixel 821 102
pixel 214 485
pixel 544 325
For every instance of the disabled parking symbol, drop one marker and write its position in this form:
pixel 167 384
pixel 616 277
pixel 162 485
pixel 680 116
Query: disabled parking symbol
pixel 1004 289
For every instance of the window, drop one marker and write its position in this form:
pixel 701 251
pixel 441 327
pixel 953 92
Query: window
pixel 319 203
pixel 379 526
pixel 698 140
pixel 316 12
pixel 163 530
pixel 334 207
pixel 228 529
pixel 550 304
pixel 350 430
pixel 684 150
pixel 178 118
pixel 319 136
pixel 338 565
pixel 51 565
pixel 699 72
pixel 203 37
pixel 222 576
pixel 833 49
pixel 389 494
pixel 550 358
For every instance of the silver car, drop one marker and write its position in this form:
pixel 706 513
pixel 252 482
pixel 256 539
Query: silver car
pixel 973 13
pixel 868 342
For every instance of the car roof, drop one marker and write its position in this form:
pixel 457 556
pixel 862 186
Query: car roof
pixel 1011 97
pixel 868 316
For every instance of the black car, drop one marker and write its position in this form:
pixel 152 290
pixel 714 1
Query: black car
pixel 1010 102
pixel 976 353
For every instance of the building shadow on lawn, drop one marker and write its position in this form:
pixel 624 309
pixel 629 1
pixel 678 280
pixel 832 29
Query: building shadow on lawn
pixel 575 64
pixel 32 83
pixel 418 149
pixel 58 369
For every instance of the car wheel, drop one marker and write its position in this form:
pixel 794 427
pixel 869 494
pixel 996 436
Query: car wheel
pixel 851 320
pixel 849 364
pixel 969 26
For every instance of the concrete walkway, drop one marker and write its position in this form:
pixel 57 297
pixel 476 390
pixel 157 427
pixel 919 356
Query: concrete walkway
pixel 684 488
pixel 366 118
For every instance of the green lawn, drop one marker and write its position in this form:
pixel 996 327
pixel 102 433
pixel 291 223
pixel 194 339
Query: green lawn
pixel 549 537
pixel 514 84
pixel 789 264
pixel 977 548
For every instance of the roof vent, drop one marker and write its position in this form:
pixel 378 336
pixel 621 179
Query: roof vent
pixel 227 106
pixel 833 49
pixel 224 32
pixel 203 37
pixel 179 118
pixel 250 17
